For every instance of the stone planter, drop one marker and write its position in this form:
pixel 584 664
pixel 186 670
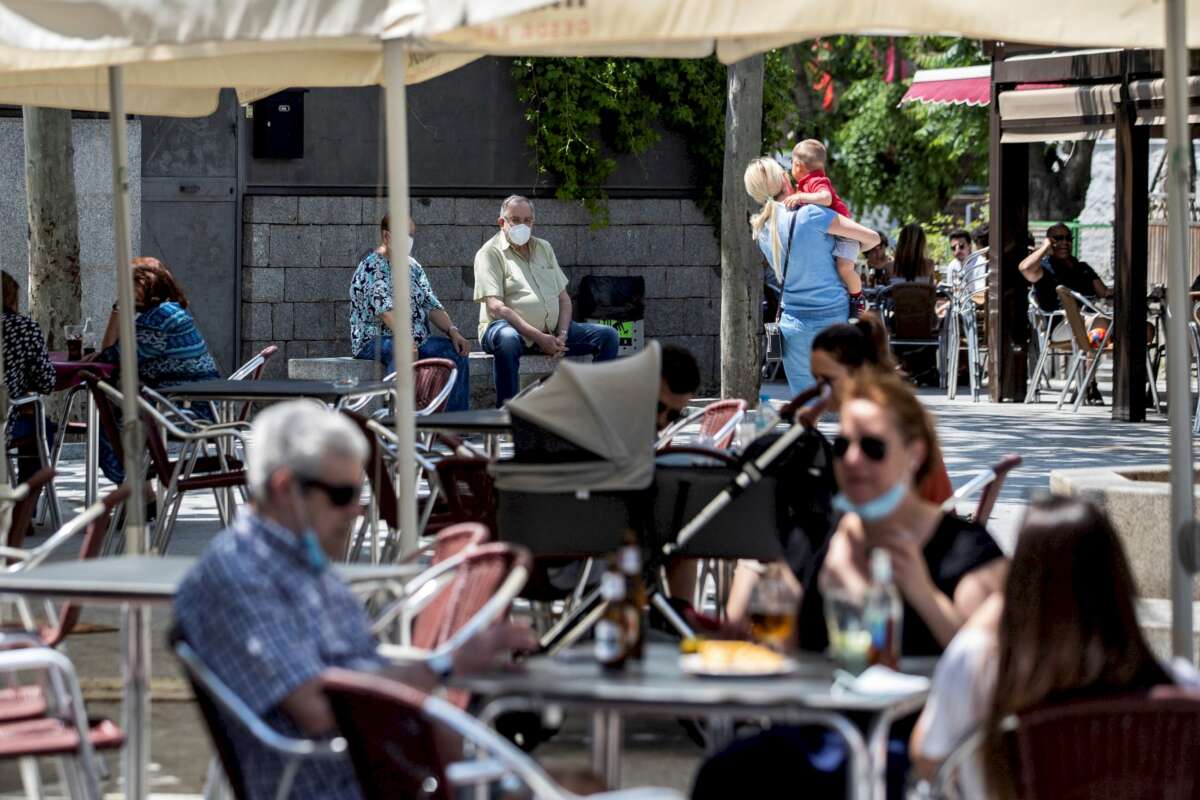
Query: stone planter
pixel 1137 499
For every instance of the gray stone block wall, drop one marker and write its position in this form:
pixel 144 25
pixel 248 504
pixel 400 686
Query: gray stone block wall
pixel 299 254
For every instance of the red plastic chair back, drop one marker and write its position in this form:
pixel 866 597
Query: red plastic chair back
pixel 265 354
pixel 427 627
pixel 430 376
pixel 23 509
pixel 468 494
pixel 92 545
pixel 377 474
pixel 475 582
pixel 1133 747
pixel 716 415
pixel 987 498
pixel 392 744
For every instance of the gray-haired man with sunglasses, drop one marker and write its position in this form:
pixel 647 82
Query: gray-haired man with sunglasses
pixel 265 612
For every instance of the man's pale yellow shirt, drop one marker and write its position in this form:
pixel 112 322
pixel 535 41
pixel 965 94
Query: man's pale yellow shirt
pixel 530 288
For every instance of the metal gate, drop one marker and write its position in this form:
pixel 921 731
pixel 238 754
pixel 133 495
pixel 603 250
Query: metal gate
pixel 190 215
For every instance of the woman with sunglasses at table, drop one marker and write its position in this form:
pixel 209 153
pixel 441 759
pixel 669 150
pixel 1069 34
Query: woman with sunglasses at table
pixel 945 567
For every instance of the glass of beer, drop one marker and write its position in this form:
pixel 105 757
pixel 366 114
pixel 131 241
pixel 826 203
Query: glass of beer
pixel 74 336
pixel 774 603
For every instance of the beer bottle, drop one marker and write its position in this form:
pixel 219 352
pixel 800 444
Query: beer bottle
pixel 883 612
pixel 612 642
pixel 629 557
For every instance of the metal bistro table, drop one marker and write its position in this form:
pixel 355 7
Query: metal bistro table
pixel 490 422
pixel 132 581
pixel 220 390
pixel 659 687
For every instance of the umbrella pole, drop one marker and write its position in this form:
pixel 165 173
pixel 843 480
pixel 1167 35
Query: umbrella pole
pixel 135 634
pixel 394 64
pixel 1179 145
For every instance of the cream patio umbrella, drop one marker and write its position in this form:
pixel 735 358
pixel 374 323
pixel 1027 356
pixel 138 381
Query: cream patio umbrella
pixel 177 55
pixel 734 30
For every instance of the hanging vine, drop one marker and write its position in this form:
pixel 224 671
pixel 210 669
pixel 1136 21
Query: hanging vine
pixel 586 112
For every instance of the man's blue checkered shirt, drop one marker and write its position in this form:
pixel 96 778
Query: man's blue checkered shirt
pixel 266 622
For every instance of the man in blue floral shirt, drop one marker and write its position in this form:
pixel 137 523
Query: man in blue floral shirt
pixel 371 316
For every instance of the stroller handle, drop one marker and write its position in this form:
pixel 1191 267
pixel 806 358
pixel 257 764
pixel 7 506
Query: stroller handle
pixel 807 406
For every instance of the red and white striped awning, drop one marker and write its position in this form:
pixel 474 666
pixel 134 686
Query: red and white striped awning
pixel 965 86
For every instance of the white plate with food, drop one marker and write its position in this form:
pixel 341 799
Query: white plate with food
pixel 732 659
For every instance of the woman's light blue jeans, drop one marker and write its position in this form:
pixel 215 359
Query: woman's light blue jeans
pixel 799 329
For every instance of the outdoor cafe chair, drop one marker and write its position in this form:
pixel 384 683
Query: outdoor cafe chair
pixel 21 521
pixel 222 708
pixel 968 297
pixel 61 729
pixel 718 421
pixel 1045 348
pixel 1085 356
pixel 375 713
pixel 988 483
pixel 47 452
pixel 913 320
pixel 193 469
pixel 252 370
pixel 96 524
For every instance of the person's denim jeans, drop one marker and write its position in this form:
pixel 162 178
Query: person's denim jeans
pixel 506 346
pixel 432 347
pixel 798 331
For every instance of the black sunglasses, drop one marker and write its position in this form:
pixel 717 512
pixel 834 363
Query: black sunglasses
pixel 872 447
pixel 1061 239
pixel 340 496
pixel 673 414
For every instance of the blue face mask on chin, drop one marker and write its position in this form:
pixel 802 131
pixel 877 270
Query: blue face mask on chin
pixel 314 552
pixel 876 509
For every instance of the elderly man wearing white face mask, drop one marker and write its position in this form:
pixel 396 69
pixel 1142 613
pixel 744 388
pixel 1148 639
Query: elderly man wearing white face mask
pixel 371 315
pixel 524 305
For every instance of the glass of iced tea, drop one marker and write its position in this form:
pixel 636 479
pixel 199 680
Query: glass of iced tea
pixel 74 336
pixel 849 637
pixel 774 604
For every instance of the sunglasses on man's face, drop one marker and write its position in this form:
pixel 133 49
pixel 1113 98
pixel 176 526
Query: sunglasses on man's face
pixel 673 414
pixel 1061 239
pixel 340 496
pixel 872 447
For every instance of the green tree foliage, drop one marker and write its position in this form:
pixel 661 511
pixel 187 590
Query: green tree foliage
pixel 587 111
pixel 910 159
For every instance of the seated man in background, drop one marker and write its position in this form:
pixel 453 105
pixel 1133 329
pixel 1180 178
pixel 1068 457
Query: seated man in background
pixel 265 612
pixel 680 382
pixel 1052 265
pixel 960 246
pixel 371 315
pixel 524 305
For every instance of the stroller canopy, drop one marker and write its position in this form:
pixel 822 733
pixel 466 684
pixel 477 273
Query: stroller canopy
pixel 607 410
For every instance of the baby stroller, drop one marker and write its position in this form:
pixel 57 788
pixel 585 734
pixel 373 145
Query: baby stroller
pixel 584 474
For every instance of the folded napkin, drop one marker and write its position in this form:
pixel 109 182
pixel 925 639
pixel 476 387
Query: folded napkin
pixel 881 681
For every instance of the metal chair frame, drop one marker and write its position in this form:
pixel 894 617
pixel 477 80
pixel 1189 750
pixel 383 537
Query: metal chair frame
pixel 47 453
pixel 497 758
pixel 720 440
pixel 421 590
pixel 1194 346
pixel 194 444
pixel 1082 369
pixel 81 772
pixel 962 317
pixel 1043 324
pixel 293 750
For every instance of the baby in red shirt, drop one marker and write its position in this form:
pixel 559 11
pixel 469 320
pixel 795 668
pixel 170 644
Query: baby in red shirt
pixel 813 186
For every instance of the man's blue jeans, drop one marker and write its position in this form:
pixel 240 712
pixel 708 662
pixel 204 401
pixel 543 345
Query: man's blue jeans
pixel 506 345
pixel 432 347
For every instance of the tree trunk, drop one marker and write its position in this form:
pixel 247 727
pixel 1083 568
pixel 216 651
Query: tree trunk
pixel 54 284
pixel 1058 188
pixel 741 273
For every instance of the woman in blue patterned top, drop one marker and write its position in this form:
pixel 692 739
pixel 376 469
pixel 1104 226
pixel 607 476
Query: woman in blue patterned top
pixel 371 316
pixel 170 348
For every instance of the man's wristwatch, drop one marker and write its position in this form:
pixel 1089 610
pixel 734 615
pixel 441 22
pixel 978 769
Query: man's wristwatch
pixel 441 665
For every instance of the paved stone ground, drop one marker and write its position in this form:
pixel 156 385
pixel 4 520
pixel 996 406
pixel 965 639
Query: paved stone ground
pixel 973 435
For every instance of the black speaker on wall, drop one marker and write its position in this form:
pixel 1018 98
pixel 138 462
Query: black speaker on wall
pixel 279 125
